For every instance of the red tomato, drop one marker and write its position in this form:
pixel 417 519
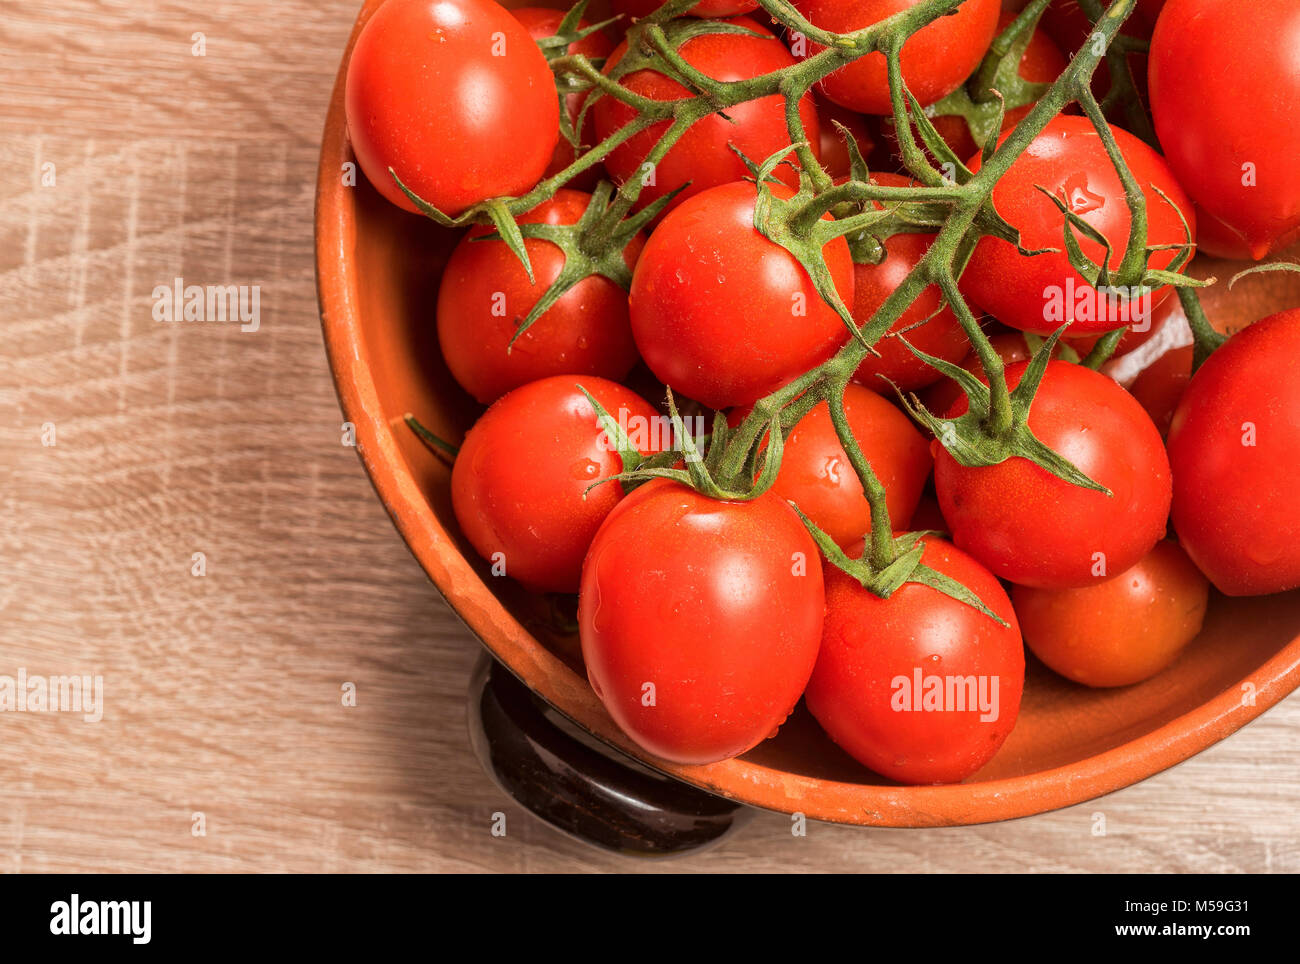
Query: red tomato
pixel 1042 63
pixel 519 484
pixel 1042 292
pixel 1162 383
pixel 542 22
pixel 705 8
pixel 928 517
pixel 1011 348
pixel 919 687
pixel 1030 527
pixel 1218 240
pixel 702 156
pixel 1225 80
pixel 941 336
pixel 485 296
pixel 816 474
pixel 431 95
pixel 834 153
pixel 700 620
pixel 722 314
pixel 1234 445
pixel 1121 631
pixel 1066 23
pixel 1070 27
pixel 935 60
pixel 1136 335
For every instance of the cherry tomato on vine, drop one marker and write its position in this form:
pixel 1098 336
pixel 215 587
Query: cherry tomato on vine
pixel 700 620
pixel 1032 528
pixel 1041 292
pixel 519 486
pixel 455 97
pixel 1121 631
pixel 702 155
pixel 542 22
pixel 1234 445
pixel 1011 348
pixel 485 296
pixel 935 60
pixel 941 335
pixel 723 315
pixel 1070 28
pixel 919 687
pixel 1225 80
pixel 817 476
pixel 705 8
pixel 1042 63
pixel 834 152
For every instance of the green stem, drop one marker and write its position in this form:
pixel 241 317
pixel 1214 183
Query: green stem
pixel 881 550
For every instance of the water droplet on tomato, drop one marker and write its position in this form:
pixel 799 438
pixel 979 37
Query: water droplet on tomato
pixel 1076 194
pixel 585 469
pixel 1264 553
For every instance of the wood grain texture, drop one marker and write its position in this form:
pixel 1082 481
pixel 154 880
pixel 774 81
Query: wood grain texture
pixel 222 692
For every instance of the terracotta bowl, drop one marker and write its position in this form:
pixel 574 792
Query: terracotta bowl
pixel 378 271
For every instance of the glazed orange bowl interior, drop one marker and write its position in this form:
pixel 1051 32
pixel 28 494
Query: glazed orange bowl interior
pixel 378 270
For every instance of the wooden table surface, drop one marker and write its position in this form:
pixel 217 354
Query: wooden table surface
pixel 127 161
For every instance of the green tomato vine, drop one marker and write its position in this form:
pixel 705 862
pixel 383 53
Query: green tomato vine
pixel 946 199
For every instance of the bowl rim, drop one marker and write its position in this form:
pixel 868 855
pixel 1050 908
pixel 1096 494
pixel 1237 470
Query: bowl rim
pixel 556 683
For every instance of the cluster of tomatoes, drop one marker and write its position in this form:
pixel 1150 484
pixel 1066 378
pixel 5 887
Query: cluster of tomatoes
pixel 704 619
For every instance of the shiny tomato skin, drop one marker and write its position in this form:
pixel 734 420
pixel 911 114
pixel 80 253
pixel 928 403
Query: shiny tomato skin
pixel 1068 158
pixel 543 22
pixel 870 644
pixel 816 474
pixel 426 95
pixel 936 60
pixel 700 620
pixel 1220 240
pixel 723 315
pixel 1225 80
pixel 485 294
pixel 519 485
pixel 705 8
pixel 1032 528
pixel 702 155
pixel 941 336
pixel 1120 631
pixel 1234 445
